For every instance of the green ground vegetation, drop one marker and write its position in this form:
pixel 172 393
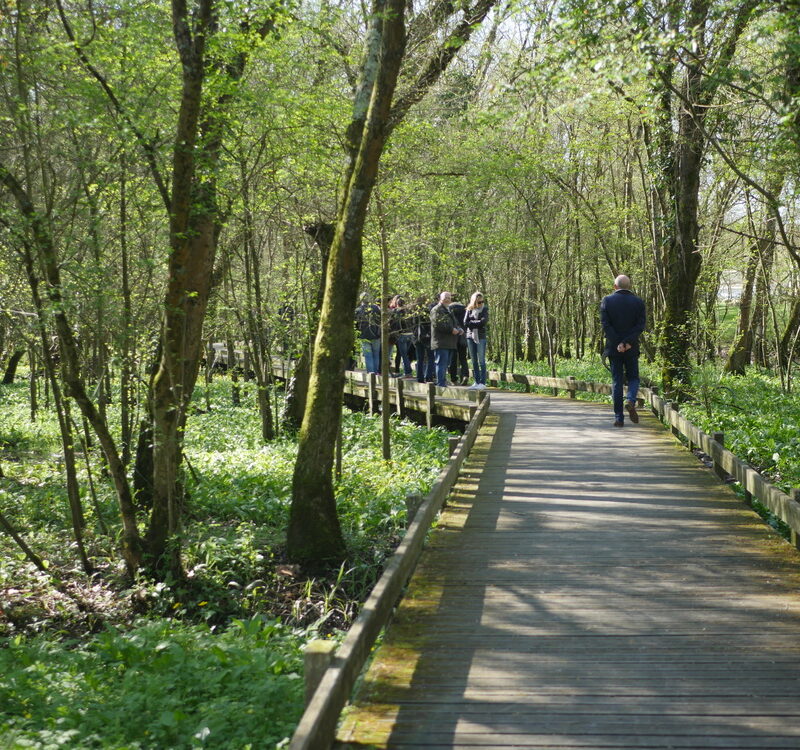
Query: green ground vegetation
pixel 98 662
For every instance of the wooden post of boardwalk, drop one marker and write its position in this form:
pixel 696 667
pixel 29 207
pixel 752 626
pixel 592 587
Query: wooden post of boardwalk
pixel 401 407
pixel 372 393
pixel 430 405
pixel 675 431
pixel 317 657
pixel 573 389
pixel 719 437
pixel 794 536
pixel 452 444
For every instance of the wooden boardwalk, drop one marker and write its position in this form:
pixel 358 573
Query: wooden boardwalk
pixel 588 587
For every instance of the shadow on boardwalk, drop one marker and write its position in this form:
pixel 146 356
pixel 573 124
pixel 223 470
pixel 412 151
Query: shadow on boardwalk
pixel 588 588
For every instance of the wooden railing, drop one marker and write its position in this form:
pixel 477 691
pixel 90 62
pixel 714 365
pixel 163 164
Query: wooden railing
pixel 317 726
pixel 404 395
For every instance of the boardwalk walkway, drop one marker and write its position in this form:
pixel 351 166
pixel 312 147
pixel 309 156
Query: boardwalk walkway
pixel 589 587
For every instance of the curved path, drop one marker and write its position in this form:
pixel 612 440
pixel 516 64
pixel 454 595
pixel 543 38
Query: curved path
pixel 588 587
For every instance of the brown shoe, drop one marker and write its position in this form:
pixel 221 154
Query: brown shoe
pixel 632 413
pixel 618 423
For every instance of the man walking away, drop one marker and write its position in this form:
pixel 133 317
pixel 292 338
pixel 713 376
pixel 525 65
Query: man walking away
pixel 623 317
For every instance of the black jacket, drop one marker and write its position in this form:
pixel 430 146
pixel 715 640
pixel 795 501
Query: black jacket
pixel 623 317
pixel 368 321
pixel 442 325
pixel 478 320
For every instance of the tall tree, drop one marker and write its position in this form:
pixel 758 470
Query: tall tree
pixel 314 534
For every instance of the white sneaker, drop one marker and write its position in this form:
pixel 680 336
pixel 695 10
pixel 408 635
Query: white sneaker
pixel 480 387
pixel 474 387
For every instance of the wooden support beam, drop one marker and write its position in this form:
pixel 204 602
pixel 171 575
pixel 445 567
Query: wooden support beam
pixel 317 657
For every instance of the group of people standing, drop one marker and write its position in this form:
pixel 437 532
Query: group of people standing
pixel 438 335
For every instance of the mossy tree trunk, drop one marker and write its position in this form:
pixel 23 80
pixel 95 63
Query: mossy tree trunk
pixel 314 533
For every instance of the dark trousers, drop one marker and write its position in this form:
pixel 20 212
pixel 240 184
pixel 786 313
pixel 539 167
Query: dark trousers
pixel 623 366
pixel 459 357
pixel 426 367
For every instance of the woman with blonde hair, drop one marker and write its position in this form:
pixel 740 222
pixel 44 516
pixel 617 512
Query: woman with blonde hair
pixel 476 320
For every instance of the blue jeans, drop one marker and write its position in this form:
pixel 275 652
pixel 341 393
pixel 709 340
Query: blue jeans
pixel 477 353
pixel 426 368
pixel 404 342
pixel 623 366
pixel 371 349
pixel 442 357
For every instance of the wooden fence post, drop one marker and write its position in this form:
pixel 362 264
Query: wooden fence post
pixel 675 431
pixel 573 390
pixel 794 536
pixel 719 437
pixel 317 657
pixel 372 395
pixel 401 407
pixel 430 405
pixel 452 444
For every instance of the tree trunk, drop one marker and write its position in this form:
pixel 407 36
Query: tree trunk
pixel 11 367
pixel 314 534
pixel 297 389
pixel 763 247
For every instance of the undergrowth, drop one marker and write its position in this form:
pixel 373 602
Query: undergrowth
pixel 210 661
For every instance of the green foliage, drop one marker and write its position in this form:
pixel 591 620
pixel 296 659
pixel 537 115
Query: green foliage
pixel 160 684
pixel 759 420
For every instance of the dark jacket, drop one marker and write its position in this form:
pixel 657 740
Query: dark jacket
pixel 402 321
pixel 422 324
pixel 442 324
pixel 623 317
pixel 368 321
pixel 459 310
pixel 477 320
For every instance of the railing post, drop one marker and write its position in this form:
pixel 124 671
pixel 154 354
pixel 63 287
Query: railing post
pixel 452 444
pixel 794 536
pixel 412 506
pixel 430 405
pixel 372 393
pixel 317 657
pixel 675 431
pixel 401 407
pixel 573 389
pixel 719 437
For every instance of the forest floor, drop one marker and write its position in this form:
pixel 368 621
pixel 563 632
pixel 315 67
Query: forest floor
pixel 90 657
